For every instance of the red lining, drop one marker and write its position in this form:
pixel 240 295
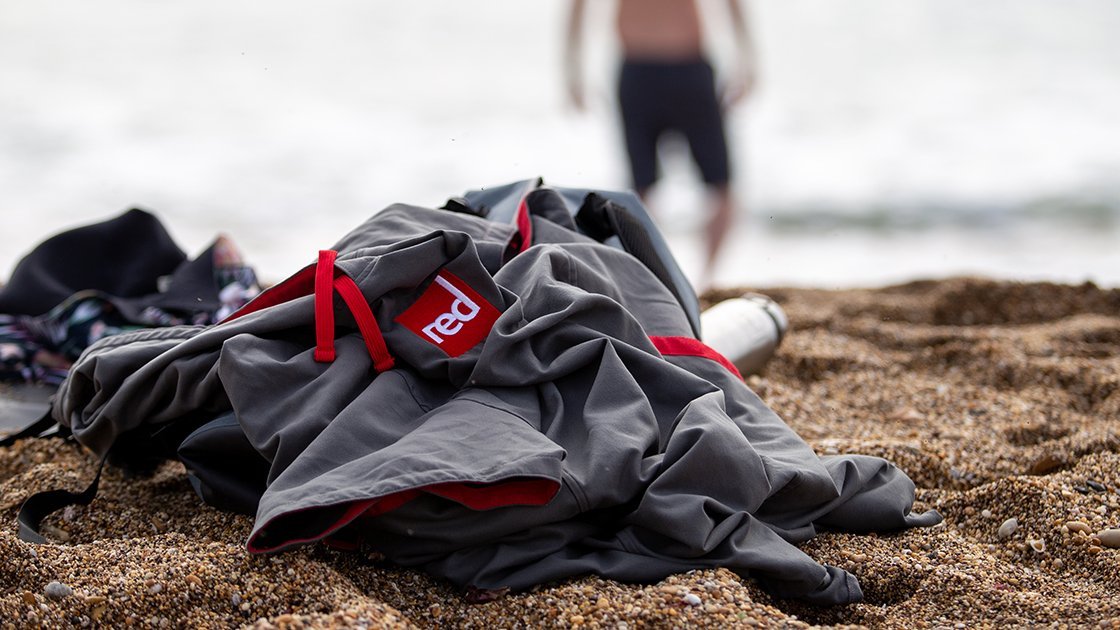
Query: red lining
pixel 476 496
pixel 324 306
pixel 503 493
pixel 297 286
pixel 356 509
pixel 524 224
pixel 689 347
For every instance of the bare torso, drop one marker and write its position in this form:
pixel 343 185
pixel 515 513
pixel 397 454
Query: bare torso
pixel 659 29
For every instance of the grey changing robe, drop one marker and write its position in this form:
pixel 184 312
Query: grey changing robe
pixel 543 415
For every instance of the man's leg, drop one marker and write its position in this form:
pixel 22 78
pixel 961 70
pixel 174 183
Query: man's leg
pixel 720 221
pixel 638 97
pixel 702 124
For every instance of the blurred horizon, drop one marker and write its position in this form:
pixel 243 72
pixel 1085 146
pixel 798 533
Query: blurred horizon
pixel 886 142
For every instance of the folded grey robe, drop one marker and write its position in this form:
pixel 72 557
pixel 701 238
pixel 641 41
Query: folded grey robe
pixel 547 414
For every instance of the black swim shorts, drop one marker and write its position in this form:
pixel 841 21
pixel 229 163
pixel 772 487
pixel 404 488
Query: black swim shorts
pixel 660 96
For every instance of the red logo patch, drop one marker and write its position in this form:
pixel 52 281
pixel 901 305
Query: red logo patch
pixel 450 315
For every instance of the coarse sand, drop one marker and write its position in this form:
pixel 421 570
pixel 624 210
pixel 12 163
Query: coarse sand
pixel 1001 400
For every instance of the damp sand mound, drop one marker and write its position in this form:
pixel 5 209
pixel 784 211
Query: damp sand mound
pixel 1001 400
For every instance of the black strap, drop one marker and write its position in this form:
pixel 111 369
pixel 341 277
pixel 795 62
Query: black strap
pixel 38 506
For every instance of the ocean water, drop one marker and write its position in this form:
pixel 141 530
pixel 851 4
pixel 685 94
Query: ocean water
pixel 887 140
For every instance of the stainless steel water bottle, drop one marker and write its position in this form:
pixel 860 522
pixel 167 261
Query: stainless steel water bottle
pixel 747 330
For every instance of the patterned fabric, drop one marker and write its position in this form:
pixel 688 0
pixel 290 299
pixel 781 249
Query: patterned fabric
pixel 40 349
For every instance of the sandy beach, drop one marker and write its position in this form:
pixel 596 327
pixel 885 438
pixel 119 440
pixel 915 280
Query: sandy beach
pixel 999 399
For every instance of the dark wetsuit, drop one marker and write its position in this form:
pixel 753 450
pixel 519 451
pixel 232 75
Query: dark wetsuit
pixel 656 96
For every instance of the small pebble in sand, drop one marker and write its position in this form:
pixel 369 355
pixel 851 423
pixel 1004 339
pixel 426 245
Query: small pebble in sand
pixel 986 513
pixel 1078 526
pixel 1008 528
pixel 57 590
pixel 1109 537
pixel 691 600
pixel 1095 486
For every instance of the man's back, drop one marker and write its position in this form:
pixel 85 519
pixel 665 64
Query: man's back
pixel 659 29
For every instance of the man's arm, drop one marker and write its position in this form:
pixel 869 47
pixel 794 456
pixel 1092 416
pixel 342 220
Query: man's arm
pixel 745 67
pixel 573 68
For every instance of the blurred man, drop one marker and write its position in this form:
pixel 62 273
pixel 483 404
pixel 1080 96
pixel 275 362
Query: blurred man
pixel 667 84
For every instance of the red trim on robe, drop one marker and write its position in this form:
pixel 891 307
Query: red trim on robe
pixel 689 347
pixel 524 224
pixel 324 306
